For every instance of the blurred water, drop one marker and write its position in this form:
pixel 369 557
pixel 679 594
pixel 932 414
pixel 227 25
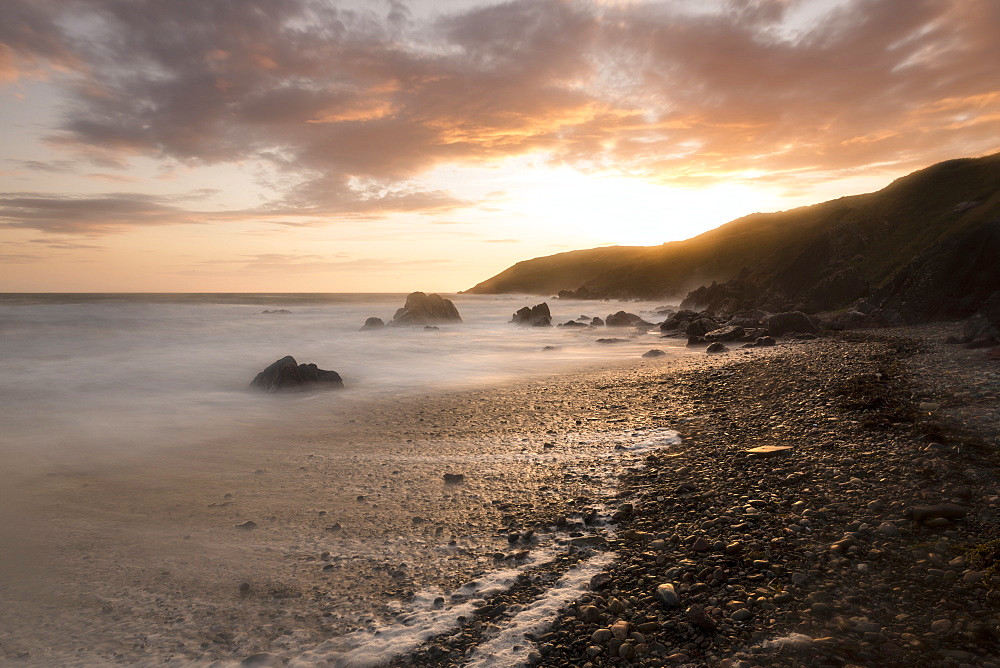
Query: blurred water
pixel 81 374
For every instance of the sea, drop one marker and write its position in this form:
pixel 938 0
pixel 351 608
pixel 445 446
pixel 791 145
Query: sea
pixel 97 391
pixel 86 374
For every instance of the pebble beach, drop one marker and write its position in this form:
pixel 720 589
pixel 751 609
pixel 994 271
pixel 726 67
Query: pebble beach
pixel 606 517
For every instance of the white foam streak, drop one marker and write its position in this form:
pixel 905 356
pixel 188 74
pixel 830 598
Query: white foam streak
pixel 538 616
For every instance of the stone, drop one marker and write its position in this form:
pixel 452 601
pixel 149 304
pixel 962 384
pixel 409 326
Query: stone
pixel 372 323
pixel 941 626
pixel 454 478
pixel 655 352
pixel 768 450
pixel 701 327
pixel 716 348
pixel 701 545
pixel 247 526
pixel 620 630
pixel 601 636
pixel 285 375
pixel 764 341
pixel 925 514
pixel 728 333
pixel 697 616
pixel 424 309
pixel 536 316
pixel 667 595
pixel 623 319
pixel 741 615
pixel 788 322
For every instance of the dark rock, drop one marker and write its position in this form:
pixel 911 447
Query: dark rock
pixel 717 348
pixel 454 478
pixel 536 316
pixel 700 619
pixel 573 323
pixel 694 341
pixel 728 333
pixel 279 311
pixel 792 321
pixel 597 322
pixel 612 340
pixel 654 353
pixel 623 319
pixel 287 376
pixel 372 323
pixel 701 327
pixel 764 341
pixel 424 309
pixel 924 514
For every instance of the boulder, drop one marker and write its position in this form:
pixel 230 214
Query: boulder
pixel 286 375
pixel 791 321
pixel 655 352
pixel 372 323
pixel 701 327
pixel 728 333
pixel 717 348
pixel 623 319
pixel 536 316
pixel 573 323
pixel 423 309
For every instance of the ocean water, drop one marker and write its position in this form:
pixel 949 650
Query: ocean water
pixel 82 375
pixel 103 396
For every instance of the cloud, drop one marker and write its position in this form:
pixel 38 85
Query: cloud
pixel 502 241
pixel 350 108
pixel 92 215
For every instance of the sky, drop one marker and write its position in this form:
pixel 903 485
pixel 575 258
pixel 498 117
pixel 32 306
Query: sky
pixel 392 146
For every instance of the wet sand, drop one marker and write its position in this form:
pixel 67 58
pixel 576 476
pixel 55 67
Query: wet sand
pixel 144 560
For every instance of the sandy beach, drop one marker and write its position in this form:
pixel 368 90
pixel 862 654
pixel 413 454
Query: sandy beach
pixel 152 560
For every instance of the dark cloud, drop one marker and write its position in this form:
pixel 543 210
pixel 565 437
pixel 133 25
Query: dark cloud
pixel 352 107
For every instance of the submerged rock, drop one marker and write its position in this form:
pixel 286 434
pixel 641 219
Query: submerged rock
pixel 623 319
pixel 424 309
pixel 655 352
pixel 372 323
pixel 536 316
pixel 286 375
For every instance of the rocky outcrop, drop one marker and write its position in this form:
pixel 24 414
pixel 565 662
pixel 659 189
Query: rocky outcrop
pixel 623 319
pixel 424 309
pixel 372 323
pixel 286 375
pixel 536 316
pixel 792 321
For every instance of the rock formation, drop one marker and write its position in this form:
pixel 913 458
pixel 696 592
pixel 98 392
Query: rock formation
pixel 372 323
pixel 536 316
pixel 424 309
pixel 286 375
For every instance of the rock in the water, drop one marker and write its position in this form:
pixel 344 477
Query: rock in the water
pixel 792 321
pixel 623 319
pixel 536 316
pixel 597 322
pixel 424 309
pixel 717 348
pixel 454 478
pixel 287 376
pixel 655 352
pixel 372 323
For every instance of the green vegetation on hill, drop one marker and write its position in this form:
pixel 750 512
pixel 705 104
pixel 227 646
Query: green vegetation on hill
pixel 822 256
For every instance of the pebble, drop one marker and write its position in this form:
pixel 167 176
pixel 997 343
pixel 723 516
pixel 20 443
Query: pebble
pixel 667 595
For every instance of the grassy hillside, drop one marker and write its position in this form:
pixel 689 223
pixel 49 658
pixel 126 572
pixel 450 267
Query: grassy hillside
pixel 873 237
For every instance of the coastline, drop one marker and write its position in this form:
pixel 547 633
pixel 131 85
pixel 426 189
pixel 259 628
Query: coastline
pixel 156 570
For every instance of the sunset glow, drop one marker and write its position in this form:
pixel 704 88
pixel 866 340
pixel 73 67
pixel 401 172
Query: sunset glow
pixel 319 146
